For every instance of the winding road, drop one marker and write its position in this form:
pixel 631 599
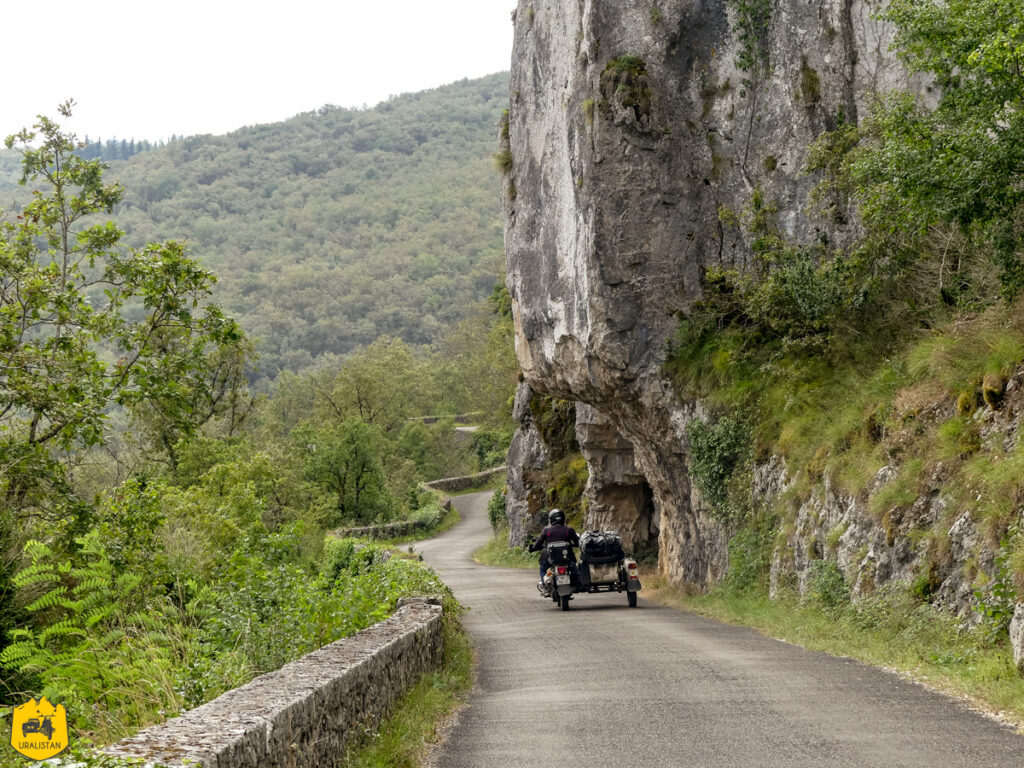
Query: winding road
pixel 606 685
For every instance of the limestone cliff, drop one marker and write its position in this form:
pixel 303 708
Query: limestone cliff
pixel 630 127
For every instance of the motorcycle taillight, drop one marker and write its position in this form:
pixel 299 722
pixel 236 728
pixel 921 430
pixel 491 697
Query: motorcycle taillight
pixel 562 569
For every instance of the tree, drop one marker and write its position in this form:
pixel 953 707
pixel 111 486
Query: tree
pixel 88 326
pixel 484 367
pixel 379 385
pixel 960 162
pixel 348 461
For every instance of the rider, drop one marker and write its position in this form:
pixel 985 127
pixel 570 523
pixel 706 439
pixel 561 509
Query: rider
pixel 556 530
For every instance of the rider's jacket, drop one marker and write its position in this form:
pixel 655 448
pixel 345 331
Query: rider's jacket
pixel 554 533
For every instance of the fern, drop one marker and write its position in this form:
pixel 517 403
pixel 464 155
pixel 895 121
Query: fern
pixel 101 648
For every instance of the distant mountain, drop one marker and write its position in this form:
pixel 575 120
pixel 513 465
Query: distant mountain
pixel 337 226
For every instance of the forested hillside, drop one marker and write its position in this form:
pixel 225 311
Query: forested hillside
pixel 337 226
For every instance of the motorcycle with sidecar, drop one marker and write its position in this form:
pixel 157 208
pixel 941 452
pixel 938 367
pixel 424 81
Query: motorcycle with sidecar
pixel 603 567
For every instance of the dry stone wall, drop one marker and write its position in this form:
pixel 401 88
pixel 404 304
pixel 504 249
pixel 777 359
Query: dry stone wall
pixel 304 714
pixel 392 530
pixel 456 484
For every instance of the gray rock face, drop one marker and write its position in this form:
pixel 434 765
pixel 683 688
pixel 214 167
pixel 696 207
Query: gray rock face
pixel 617 494
pixel 1017 637
pixel 618 176
pixel 528 456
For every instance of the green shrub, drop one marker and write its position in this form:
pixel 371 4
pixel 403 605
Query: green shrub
pixel 825 587
pixel 105 645
pixel 997 601
pixel 496 511
pixel 503 161
pixel 717 452
pixel 752 20
pixel 625 80
pixel 750 556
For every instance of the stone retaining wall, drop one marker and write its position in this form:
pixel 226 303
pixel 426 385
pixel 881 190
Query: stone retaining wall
pixel 456 484
pixel 462 418
pixel 304 714
pixel 390 530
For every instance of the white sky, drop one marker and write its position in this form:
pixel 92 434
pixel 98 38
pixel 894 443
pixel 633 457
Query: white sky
pixel 146 70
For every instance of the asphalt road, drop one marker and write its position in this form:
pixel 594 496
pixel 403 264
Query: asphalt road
pixel 606 685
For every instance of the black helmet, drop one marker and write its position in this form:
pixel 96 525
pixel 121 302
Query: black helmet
pixel 556 517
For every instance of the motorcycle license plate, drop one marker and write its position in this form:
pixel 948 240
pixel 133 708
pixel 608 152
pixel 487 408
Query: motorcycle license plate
pixel 562 579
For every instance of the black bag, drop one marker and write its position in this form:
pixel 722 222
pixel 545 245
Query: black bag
pixel 560 553
pixel 601 547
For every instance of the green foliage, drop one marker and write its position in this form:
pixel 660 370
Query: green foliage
pixel 496 512
pixel 179 519
pixel 958 438
pixel 588 110
pixel 503 161
pixel 787 298
pixel 719 454
pixel 491 446
pixel 497 552
pixel 915 168
pixel 107 650
pixel 826 588
pixel 898 493
pixel 483 369
pixel 92 332
pixel 750 556
pixel 998 600
pixel 555 419
pixel 751 23
pixel 810 84
pixel 348 461
pixel 625 81
pixel 899 318
pixel 86 324
pixel 565 481
pixel 128 647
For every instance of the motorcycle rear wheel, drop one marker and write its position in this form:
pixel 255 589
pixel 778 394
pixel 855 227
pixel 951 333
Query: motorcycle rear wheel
pixel 565 602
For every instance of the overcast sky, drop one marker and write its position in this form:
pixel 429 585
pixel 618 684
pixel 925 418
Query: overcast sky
pixel 149 70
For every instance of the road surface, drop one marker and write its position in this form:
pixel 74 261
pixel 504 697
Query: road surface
pixel 606 685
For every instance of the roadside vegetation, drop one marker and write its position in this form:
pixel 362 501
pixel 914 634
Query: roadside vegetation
pixel 497 551
pixel 893 352
pixel 163 527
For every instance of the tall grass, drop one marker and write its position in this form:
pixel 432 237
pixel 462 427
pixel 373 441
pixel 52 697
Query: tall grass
pixel 498 553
